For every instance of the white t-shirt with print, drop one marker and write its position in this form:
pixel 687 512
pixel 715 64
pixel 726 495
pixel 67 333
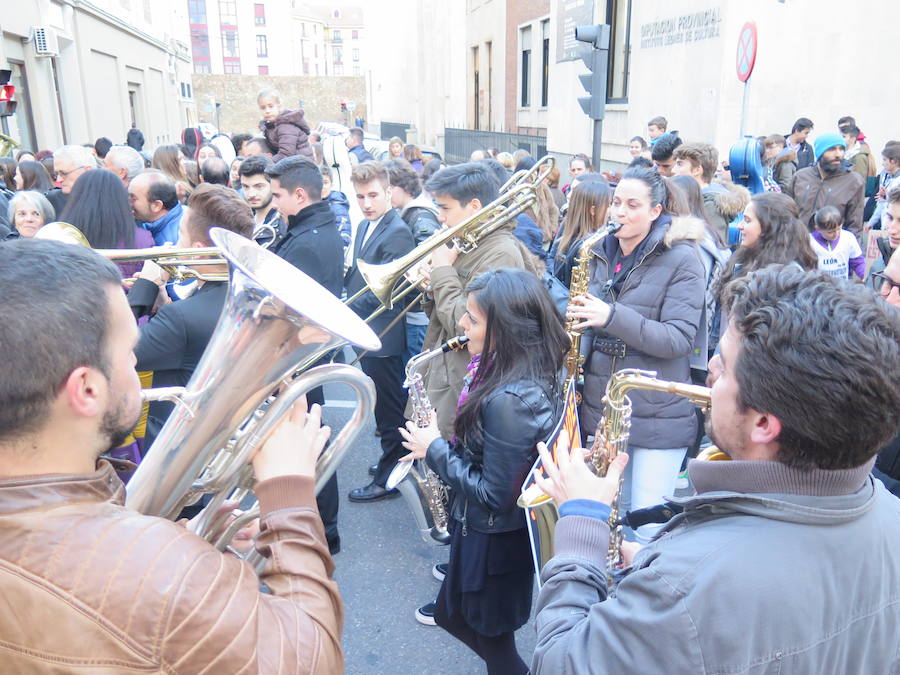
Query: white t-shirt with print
pixel 835 260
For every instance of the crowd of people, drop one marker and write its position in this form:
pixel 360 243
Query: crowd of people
pixel 765 296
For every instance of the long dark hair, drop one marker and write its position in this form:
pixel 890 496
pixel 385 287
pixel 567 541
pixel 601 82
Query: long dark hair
pixel 8 173
pixel 782 239
pixel 98 206
pixel 579 222
pixel 691 191
pixel 524 340
pixel 34 176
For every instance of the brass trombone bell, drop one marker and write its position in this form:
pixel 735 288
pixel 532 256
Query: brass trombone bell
pixel 382 279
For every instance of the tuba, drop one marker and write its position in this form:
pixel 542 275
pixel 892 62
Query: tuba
pixel 276 322
pixel 610 439
pixel 425 493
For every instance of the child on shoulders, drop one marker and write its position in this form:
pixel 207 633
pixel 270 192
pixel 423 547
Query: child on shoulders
pixel 285 130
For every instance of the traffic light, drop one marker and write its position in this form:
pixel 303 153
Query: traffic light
pixel 343 106
pixel 597 61
pixel 7 93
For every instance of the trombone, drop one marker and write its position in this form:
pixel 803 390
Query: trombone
pixel 518 194
pixel 178 263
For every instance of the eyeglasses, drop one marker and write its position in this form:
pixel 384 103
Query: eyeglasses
pixel 66 174
pixel 883 284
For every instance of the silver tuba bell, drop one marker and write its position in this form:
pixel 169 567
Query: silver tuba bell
pixel 276 322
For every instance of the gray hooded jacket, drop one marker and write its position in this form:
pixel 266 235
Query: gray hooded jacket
pixel 657 314
pixel 767 570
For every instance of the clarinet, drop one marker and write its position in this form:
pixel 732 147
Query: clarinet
pixel 426 494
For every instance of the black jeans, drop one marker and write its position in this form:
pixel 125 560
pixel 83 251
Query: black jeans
pixel 390 403
pixel 328 499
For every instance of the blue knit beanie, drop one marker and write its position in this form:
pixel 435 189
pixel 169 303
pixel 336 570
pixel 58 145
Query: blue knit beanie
pixel 826 142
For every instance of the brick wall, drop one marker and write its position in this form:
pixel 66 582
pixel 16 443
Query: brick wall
pixel 517 13
pixel 236 94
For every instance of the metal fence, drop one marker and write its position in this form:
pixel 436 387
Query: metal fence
pixel 460 143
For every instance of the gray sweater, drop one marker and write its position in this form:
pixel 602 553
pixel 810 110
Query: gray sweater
pixel 767 570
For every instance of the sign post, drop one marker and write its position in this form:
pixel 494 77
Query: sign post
pixel 747 48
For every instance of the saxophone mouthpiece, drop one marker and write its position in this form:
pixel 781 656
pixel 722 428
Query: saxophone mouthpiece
pixel 613 227
pixel 454 344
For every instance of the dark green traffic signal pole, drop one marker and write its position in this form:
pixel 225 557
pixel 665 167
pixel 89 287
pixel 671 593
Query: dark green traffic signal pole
pixel 597 61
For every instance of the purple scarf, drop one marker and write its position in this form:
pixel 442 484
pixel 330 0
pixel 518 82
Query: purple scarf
pixel 471 370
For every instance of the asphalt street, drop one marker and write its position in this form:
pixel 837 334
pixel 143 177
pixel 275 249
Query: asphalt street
pixel 384 574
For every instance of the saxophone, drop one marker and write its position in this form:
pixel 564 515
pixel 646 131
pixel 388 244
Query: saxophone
pixel 426 494
pixel 581 277
pixel 610 439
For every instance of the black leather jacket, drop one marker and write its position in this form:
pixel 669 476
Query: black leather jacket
pixel 486 481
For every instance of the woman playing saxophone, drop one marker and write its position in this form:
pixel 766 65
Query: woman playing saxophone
pixel 508 405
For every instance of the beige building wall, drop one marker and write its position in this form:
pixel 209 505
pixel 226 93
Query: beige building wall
pixel 486 54
pixel 416 76
pixel 113 66
pixel 682 66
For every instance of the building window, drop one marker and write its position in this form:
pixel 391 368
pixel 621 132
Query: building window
pixel 618 16
pixel 338 54
pixel 228 12
pixel 259 14
pixel 202 67
pixel 190 91
pixel 262 46
pixel 200 44
pixel 316 50
pixel 336 35
pixel 305 67
pixel 263 70
pixel 336 14
pixel 356 70
pixel 197 11
pixel 545 62
pixel 354 34
pixel 302 30
pixel 356 55
pixel 230 44
pixel 338 69
pixel 232 67
pixel 525 66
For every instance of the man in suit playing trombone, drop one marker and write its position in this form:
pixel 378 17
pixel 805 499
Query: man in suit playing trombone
pixel 381 238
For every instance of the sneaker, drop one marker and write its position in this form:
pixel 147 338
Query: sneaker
pixel 439 571
pixel 425 615
pixel 682 482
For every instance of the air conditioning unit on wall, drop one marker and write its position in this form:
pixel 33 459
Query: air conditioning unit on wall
pixel 45 42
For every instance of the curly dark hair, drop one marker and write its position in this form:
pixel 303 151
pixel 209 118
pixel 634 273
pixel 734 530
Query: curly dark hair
pixel 816 348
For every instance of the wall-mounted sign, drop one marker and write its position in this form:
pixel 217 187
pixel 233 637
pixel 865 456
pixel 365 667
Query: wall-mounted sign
pixel 571 13
pixel 682 29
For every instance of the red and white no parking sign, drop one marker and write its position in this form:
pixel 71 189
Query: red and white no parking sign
pixel 746 51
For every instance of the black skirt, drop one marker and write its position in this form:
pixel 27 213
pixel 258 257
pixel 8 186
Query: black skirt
pixel 489 579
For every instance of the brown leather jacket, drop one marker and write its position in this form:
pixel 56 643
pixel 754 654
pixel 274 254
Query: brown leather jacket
pixel 90 586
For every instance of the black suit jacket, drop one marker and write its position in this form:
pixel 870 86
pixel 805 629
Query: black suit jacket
pixel 173 341
pixel 390 240
pixel 313 245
